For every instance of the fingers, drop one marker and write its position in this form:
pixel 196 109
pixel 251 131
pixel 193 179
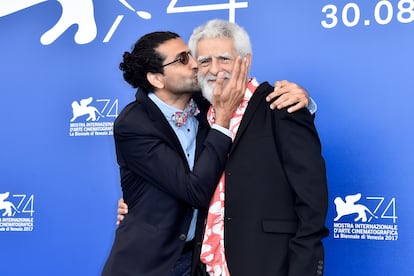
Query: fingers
pixel 234 81
pixel 122 210
pixel 288 94
pixel 295 107
pixel 122 206
pixel 277 91
pixel 228 94
pixel 235 85
pixel 291 100
pixel 218 88
pixel 238 80
pixel 119 218
pixel 242 79
pixel 120 202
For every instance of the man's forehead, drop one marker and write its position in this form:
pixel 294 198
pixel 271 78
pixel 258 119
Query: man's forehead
pixel 172 47
pixel 215 45
pixel 214 55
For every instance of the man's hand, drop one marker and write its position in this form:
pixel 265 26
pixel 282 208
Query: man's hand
pixel 290 94
pixel 122 210
pixel 227 96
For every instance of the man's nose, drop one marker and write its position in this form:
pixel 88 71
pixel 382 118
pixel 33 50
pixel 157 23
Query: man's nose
pixel 192 61
pixel 214 67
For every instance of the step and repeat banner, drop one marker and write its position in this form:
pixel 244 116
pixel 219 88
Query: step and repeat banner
pixel 61 91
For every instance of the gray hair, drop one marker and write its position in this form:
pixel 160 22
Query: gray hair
pixel 217 28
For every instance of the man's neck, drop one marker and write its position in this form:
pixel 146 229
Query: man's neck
pixel 178 101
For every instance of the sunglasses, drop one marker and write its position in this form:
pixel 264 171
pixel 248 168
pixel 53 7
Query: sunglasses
pixel 183 58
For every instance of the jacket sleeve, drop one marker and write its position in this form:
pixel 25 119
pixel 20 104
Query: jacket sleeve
pixel 144 154
pixel 304 167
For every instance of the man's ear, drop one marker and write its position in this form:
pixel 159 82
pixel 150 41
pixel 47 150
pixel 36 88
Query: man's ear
pixel 156 80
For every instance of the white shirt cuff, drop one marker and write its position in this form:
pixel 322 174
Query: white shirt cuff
pixel 312 107
pixel 223 130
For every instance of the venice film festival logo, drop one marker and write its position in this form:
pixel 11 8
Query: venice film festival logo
pixel 16 212
pixel 93 118
pixel 354 220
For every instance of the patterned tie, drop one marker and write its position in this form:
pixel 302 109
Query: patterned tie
pixel 180 117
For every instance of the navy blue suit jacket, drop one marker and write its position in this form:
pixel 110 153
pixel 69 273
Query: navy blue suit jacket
pixel 159 187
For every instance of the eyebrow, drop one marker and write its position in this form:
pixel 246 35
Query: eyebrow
pixel 225 55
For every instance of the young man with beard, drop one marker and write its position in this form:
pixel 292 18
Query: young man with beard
pixel 169 158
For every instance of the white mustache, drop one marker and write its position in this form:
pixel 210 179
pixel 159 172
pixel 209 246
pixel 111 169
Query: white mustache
pixel 211 77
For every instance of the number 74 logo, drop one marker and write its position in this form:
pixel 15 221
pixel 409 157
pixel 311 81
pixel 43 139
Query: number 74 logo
pixel 349 207
pixel 232 5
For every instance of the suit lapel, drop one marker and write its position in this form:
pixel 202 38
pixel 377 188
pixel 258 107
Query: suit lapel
pixel 165 130
pixel 203 125
pixel 254 102
pixel 160 122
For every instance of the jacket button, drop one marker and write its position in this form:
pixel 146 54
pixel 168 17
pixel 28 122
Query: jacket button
pixel 183 237
pixel 320 262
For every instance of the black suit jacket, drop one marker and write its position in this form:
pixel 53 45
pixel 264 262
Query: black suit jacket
pixel 159 187
pixel 276 193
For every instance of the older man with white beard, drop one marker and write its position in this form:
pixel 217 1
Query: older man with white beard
pixel 267 215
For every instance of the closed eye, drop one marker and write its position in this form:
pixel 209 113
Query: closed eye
pixel 224 59
pixel 204 62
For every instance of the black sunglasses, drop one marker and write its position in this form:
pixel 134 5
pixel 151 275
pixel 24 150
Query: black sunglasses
pixel 183 58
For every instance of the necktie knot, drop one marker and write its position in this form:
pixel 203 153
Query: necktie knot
pixel 180 117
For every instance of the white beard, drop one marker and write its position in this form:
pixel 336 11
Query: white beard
pixel 207 88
